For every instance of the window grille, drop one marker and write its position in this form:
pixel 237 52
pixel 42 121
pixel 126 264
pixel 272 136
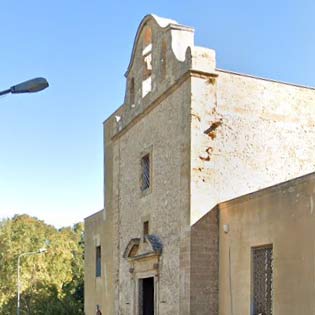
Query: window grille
pixel 98 261
pixel 262 280
pixel 145 176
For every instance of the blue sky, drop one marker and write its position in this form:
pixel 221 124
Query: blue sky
pixel 51 150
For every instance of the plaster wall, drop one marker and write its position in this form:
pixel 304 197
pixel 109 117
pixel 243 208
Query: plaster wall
pixel 283 216
pixel 95 287
pixel 247 134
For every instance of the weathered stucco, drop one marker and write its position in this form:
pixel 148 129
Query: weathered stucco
pixel 247 134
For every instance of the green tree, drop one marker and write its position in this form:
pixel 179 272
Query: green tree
pixel 51 283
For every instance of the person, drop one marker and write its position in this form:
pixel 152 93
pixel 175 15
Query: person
pixel 98 311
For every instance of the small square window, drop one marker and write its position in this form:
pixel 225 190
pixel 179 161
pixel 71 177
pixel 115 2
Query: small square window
pixel 145 172
pixel 98 261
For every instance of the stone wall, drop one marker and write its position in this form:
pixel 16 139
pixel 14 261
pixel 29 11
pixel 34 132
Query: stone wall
pixel 154 121
pixel 164 133
pixel 204 274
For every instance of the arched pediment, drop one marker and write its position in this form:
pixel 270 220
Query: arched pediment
pixel 161 22
pixel 156 22
pixel 152 246
pixel 132 248
pixel 163 52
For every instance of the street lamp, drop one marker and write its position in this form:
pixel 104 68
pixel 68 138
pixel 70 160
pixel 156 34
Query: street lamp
pixel 30 86
pixel 40 251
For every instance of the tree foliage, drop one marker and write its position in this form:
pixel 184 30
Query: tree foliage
pixel 51 282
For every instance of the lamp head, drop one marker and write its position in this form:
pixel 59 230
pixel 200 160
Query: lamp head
pixel 30 86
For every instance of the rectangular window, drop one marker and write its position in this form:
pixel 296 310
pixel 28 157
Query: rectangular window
pixel 145 172
pixel 262 280
pixel 98 261
pixel 145 229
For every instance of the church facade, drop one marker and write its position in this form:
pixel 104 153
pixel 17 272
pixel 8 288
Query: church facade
pixel 189 224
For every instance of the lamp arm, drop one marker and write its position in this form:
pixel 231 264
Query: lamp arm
pixel 5 92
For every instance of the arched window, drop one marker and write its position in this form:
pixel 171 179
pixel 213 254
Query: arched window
pixel 147 61
pixel 147 36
